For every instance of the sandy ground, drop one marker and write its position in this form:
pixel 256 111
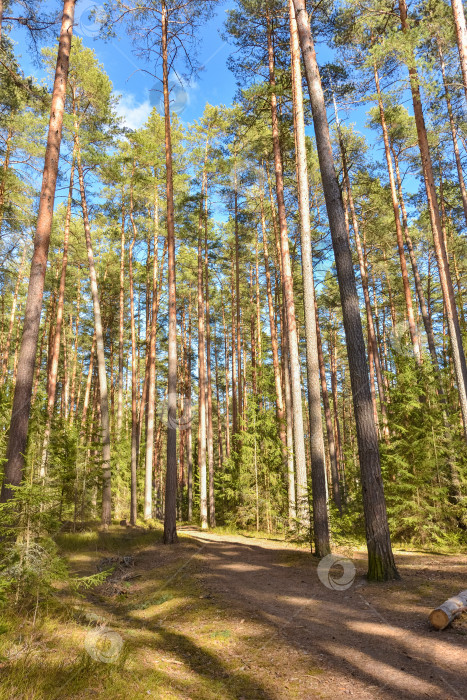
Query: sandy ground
pixel 370 640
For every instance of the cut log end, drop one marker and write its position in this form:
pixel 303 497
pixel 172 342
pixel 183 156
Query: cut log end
pixel 439 619
pixel 447 612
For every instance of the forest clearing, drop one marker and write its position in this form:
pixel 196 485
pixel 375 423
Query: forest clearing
pixel 233 378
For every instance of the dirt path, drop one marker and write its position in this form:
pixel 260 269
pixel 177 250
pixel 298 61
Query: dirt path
pixel 371 641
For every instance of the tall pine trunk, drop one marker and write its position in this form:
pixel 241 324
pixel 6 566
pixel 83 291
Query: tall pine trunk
pixel 134 374
pixel 202 367
pixel 461 34
pixel 212 507
pixel 151 409
pixel 19 422
pixel 170 511
pixel 53 372
pixel 318 458
pixel 381 565
pixel 289 304
pixel 104 404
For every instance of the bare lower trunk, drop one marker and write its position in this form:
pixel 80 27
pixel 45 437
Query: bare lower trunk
pixel 290 465
pixel 234 358
pixel 53 371
pixel 226 366
pixel 318 459
pixel 170 515
pixel 212 507
pixel 104 405
pixel 289 303
pixel 274 344
pixel 121 323
pixel 327 415
pixel 134 377
pixel 18 433
pixel 202 370
pixel 11 324
pixel 189 425
pixel 237 317
pixel 152 373
pixel 75 358
pixel 381 563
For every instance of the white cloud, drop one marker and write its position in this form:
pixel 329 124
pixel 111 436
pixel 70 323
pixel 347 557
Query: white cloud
pixel 133 113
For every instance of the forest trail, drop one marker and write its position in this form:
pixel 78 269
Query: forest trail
pixel 371 641
pixel 234 617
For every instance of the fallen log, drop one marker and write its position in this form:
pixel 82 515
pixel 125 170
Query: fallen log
pixel 441 617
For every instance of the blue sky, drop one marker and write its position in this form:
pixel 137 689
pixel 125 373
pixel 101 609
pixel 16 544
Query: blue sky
pixel 214 84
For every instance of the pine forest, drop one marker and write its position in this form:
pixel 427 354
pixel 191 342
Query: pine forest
pixel 233 335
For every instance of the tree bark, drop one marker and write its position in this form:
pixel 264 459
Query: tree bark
pixel 121 322
pixel 53 371
pixel 202 366
pixel 189 427
pixel 461 33
pixel 289 303
pixel 134 374
pixel 318 458
pixel 104 405
pixel 227 401
pixel 151 410
pixel 381 565
pixel 170 511
pixel 212 506
pixel 19 422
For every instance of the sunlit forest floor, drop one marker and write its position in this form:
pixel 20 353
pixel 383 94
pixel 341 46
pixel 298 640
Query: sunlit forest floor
pixel 233 616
